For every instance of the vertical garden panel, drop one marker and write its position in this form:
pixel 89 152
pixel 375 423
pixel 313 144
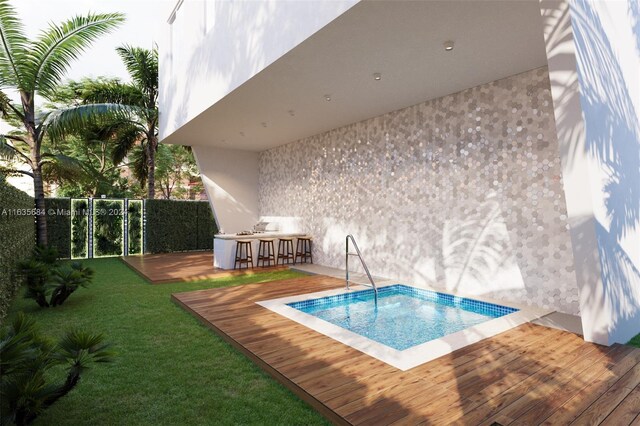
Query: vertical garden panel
pixel 134 231
pixel 108 228
pixel 79 228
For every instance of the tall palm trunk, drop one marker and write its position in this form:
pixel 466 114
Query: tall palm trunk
pixel 152 146
pixel 34 141
pixel 41 218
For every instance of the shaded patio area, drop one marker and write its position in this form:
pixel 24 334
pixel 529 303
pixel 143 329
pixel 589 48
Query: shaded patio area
pixel 187 266
pixel 527 375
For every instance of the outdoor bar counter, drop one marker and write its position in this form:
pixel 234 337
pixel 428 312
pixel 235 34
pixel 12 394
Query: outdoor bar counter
pixel 224 246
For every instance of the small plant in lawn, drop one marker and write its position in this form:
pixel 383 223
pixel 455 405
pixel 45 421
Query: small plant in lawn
pixel 44 275
pixel 67 280
pixel 26 389
pixel 36 275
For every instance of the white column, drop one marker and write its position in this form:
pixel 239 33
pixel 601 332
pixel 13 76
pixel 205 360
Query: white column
pixel 593 51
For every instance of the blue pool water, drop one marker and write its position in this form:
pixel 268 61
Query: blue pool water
pixel 405 316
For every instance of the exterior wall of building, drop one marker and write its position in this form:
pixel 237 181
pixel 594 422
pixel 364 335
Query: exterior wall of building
pixel 213 46
pixel 230 178
pixel 593 51
pixel 462 192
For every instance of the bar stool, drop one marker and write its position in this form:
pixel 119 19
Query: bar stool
pixel 303 250
pixel 248 255
pixel 285 251
pixel 270 255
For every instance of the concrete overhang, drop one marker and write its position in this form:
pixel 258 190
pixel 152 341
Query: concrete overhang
pixel 403 41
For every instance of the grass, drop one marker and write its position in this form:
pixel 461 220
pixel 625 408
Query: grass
pixel 635 341
pixel 169 369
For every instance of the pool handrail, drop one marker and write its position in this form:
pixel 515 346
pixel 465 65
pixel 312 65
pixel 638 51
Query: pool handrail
pixel 364 265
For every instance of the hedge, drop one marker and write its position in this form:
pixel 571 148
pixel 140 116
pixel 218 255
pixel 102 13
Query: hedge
pixel 178 226
pixel 59 225
pixel 17 239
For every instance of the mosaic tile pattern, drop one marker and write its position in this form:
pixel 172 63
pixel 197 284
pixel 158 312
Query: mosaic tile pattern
pixel 462 192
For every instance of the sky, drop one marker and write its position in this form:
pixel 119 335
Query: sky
pixel 143 19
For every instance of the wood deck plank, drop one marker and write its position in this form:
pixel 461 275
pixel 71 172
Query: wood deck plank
pixel 526 373
pixel 627 411
pixel 186 266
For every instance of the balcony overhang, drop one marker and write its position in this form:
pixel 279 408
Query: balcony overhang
pixel 402 41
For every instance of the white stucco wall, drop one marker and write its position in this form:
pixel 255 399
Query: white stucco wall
pixel 230 178
pixel 214 46
pixel 593 50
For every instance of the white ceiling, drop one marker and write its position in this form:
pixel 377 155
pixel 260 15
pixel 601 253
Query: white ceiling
pixel 402 40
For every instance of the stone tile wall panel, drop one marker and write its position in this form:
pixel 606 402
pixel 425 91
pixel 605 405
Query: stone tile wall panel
pixel 463 192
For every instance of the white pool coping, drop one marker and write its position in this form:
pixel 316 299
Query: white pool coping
pixel 416 355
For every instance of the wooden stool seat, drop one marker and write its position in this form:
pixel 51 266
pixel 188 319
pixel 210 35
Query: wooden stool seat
pixel 303 250
pixel 266 245
pixel 244 255
pixel 285 251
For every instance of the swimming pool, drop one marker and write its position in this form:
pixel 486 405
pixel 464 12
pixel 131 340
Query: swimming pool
pixel 404 316
pixel 410 325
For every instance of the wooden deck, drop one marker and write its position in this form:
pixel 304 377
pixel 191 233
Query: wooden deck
pixel 527 375
pixel 189 266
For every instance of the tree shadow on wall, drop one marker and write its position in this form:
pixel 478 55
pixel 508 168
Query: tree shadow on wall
pixel 613 140
pixel 476 249
pixel 612 129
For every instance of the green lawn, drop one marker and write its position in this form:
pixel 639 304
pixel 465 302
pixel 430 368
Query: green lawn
pixel 170 369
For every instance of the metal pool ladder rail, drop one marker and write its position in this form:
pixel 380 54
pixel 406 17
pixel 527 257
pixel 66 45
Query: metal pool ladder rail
pixel 364 265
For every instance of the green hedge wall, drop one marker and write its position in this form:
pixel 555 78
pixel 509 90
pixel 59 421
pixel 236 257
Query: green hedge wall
pixel 17 239
pixel 59 225
pixel 179 226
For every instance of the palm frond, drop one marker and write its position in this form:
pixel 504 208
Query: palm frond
pixel 8 109
pixel 74 120
pixel 112 91
pixel 58 46
pixel 142 66
pixel 60 167
pixel 7 152
pixel 124 141
pixel 79 348
pixel 139 164
pixel 13 44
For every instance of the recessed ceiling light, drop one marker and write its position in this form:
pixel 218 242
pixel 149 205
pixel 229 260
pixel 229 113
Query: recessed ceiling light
pixel 448 45
pixel 327 98
pixel 377 76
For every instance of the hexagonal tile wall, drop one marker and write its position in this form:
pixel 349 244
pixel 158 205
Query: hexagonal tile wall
pixel 462 192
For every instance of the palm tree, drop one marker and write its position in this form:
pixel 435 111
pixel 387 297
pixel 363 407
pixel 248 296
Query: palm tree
pixel 36 67
pixel 140 99
pixel 27 387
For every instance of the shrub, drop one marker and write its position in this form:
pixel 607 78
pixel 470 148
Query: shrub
pixel 67 280
pixel 26 388
pixel 43 275
pixel 17 239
